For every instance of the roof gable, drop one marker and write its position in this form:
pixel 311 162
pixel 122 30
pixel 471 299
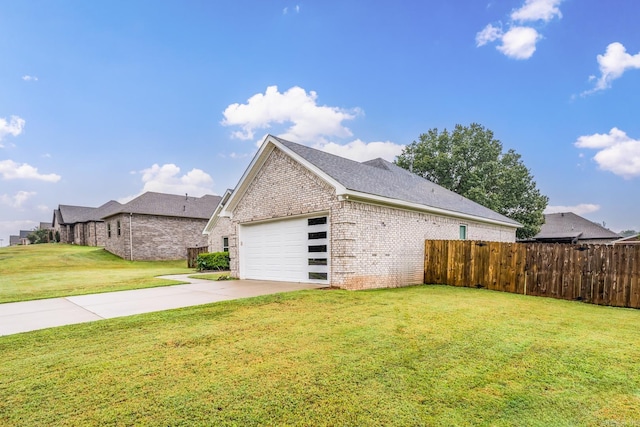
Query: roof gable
pixel 377 181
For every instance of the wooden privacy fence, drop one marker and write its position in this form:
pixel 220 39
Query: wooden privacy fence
pixel 597 274
pixel 192 255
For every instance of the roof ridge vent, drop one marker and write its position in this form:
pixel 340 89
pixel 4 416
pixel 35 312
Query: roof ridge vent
pixel 379 163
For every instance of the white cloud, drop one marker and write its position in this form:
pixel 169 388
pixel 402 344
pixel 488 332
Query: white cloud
pixel 618 153
pixel 167 179
pixel 488 34
pixel 12 170
pixel 28 78
pixel 581 209
pixel 537 10
pixel 519 42
pixel 17 200
pixel 309 122
pixel 361 151
pixel 613 64
pixel 13 126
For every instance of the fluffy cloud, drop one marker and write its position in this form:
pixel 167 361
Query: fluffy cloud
pixel 12 170
pixel 17 200
pixel 617 152
pixel 13 126
pixel 537 10
pixel 519 42
pixel 581 209
pixel 28 78
pixel 488 34
pixel 308 120
pixel 361 151
pixel 167 179
pixel 302 120
pixel 613 64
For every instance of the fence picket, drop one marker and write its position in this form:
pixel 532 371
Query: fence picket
pixel 598 274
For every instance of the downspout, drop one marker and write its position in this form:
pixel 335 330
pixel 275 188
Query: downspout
pixel 131 235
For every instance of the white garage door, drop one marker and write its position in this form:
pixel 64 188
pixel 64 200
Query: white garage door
pixel 292 250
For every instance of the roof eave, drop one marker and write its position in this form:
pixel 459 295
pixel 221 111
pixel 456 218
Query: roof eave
pixel 371 198
pixel 216 213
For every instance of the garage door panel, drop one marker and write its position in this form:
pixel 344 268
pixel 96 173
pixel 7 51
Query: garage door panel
pixel 279 250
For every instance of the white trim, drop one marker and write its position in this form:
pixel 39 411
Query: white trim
pixel 214 217
pixel 386 201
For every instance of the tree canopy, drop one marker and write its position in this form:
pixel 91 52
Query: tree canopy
pixel 471 162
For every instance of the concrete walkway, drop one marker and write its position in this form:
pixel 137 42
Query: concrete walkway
pixel 16 317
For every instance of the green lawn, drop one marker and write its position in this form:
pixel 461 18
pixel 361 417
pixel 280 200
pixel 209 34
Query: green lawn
pixel 51 270
pixel 425 355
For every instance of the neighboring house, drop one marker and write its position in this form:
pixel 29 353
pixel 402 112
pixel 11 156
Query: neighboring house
pixel 14 240
pixel 24 237
pixel 158 226
pixel 82 225
pixel 303 215
pixel 567 227
pixel 629 240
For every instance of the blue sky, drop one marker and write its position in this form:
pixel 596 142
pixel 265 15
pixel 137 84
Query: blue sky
pixel 103 100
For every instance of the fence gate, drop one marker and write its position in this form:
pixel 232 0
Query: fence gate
pixel 192 255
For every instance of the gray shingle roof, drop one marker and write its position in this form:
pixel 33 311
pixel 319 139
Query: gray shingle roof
pixel 569 225
pixel 151 203
pixel 382 178
pixel 67 214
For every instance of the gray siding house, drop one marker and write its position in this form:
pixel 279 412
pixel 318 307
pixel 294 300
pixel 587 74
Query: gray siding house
pixel 158 226
pixel 303 215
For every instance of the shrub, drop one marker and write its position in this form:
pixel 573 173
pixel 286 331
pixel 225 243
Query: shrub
pixel 213 261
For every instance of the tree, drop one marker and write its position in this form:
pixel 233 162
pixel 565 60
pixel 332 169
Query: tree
pixel 470 162
pixel 628 233
pixel 39 235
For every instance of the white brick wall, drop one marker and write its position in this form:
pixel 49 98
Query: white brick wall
pixel 371 246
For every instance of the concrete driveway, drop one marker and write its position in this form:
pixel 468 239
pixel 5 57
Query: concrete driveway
pixel 16 317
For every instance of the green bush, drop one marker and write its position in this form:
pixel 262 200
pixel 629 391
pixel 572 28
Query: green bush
pixel 213 261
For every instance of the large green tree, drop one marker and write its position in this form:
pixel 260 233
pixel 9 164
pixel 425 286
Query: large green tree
pixel 471 162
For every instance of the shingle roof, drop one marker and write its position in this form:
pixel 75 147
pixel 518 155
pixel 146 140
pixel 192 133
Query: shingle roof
pixel 74 214
pixel 382 178
pixel 569 225
pixel 151 203
pixel 68 214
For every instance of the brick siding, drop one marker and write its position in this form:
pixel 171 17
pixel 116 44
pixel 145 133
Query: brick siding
pixel 154 237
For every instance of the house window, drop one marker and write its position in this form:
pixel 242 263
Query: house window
pixel 318 248
pixel 109 230
pixel 118 227
pixel 318 235
pixel 317 261
pixel 317 276
pixel 225 244
pixel 463 232
pixel 317 221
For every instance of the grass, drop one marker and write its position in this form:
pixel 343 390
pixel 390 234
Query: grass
pixel 425 355
pixel 51 270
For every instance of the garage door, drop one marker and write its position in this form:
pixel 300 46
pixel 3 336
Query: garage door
pixel 293 250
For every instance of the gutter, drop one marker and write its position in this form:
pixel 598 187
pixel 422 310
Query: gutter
pixel 131 235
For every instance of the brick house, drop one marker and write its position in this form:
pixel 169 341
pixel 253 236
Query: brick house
pixel 82 225
pixel 300 214
pixel 158 226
